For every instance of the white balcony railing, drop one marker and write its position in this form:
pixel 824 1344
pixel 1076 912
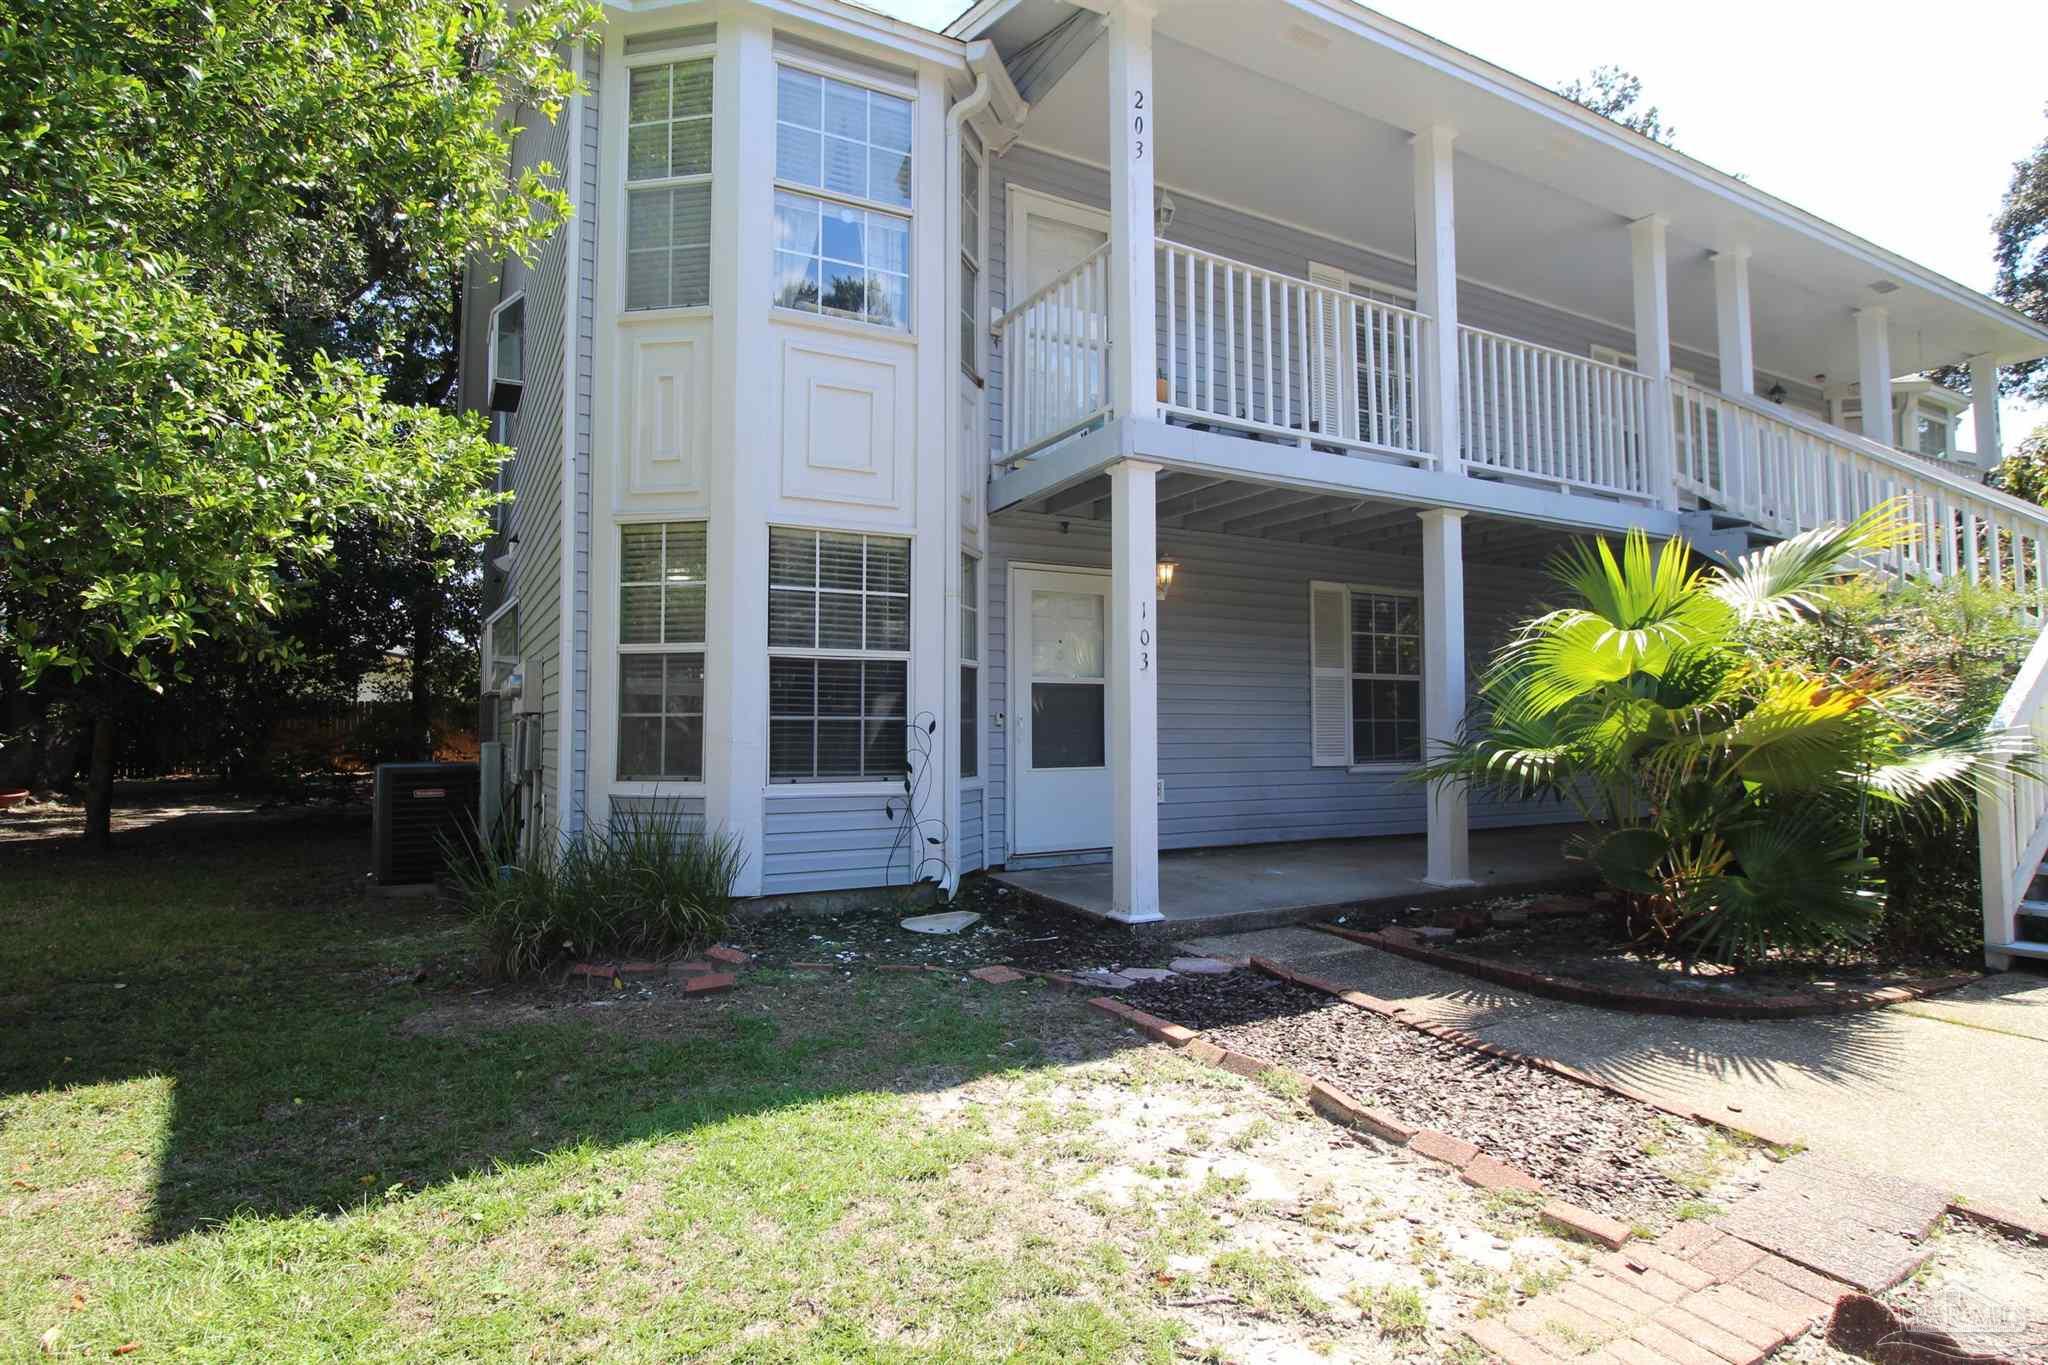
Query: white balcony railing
pixel 1788 473
pixel 1255 351
pixel 1055 347
pixel 2012 816
pixel 1550 417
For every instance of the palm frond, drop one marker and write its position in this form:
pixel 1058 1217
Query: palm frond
pixel 1785 580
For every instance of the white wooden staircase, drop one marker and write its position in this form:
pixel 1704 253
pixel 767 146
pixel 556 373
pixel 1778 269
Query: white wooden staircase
pixel 2012 828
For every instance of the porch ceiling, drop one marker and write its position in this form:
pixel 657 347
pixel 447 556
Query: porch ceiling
pixel 1244 507
pixel 1306 125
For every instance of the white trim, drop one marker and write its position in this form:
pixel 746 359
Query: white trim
pixel 851 327
pixel 491 346
pixel 834 787
pixel 664 55
pixel 568 801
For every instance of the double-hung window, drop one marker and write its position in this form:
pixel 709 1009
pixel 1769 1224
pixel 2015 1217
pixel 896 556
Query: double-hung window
pixel 842 199
pixel 1365 675
pixel 839 655
pixel 970 666
pixel 668 185
pixel 661 652
pixel 970 262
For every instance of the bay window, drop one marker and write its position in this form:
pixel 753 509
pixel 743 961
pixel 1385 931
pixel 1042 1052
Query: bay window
pixel 661 652
pixel 842 202
pixel 970 666
pixel 668 185
pixel 839 655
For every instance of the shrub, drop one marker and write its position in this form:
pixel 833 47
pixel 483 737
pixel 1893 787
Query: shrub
pixel 1736 788
pixel 1958 645
pixel 645 885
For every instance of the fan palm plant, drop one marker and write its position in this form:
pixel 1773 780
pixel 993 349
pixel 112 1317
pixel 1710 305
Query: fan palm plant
pixel 1726 792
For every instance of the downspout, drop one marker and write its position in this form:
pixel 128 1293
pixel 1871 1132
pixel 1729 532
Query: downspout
pixel 568 815
pixel 979 55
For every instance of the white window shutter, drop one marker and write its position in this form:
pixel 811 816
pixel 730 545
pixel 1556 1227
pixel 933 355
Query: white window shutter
pixel 1329 675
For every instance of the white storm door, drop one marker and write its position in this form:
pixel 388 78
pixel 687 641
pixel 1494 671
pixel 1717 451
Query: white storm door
pixel 1060 709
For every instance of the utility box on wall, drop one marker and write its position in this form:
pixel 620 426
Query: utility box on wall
pixel 419 810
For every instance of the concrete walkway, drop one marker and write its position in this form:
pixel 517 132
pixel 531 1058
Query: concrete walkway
pixel 1951 1091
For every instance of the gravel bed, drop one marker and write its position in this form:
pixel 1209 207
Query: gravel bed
pixel 1582 1143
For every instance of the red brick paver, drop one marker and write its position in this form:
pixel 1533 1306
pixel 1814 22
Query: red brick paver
pixel 710 984
pixel 996 976
pixel 1574 1221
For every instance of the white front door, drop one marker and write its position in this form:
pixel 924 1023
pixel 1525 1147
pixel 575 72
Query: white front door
pixel 1059 685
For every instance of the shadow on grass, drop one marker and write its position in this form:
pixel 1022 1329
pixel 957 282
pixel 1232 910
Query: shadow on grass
pixel 310 1071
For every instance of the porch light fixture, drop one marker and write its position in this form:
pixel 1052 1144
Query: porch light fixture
pixel 1776 393
pixel 1162 217
pixel 1167 568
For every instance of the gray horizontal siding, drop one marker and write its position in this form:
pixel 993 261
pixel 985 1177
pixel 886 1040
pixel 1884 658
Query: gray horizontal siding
pixel 833 843
pixel 970 829
pixel 1234 743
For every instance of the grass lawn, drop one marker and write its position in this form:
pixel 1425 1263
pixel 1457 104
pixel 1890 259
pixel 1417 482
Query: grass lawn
pixel 234 1125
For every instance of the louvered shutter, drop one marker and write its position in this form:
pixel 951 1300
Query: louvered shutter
pixel 1329 675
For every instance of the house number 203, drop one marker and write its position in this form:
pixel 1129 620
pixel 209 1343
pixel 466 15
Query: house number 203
pixel 1138 126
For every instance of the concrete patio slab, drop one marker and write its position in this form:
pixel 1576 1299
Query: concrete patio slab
pixel 2015 1003
pixel 1258 886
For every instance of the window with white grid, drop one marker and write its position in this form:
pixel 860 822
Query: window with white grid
pixel 970 262
pixel 839 655
pixel 668 185
pixel 1386 677
pixel 842 206
pixel 661 652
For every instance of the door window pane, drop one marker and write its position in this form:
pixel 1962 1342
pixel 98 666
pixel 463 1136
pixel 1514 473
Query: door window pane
pixel 1067 729
pixel 1067 631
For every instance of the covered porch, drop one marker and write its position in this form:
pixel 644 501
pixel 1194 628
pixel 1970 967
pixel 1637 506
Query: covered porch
pixel 1228 890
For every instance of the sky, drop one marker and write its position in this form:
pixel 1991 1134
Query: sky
pixel 1898 122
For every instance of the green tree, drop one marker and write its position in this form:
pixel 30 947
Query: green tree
pixel 211 219
pixel 2020 256
pixel 1729 791
pixel 1616 93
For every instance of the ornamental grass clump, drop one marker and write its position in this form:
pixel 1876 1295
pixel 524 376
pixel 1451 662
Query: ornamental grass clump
pixel 1731 789
pixel 643 886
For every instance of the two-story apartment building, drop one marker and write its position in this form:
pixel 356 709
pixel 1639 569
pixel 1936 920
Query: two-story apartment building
pixel 1111 426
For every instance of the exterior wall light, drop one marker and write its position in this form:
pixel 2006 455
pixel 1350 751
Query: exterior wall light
pixel 1167 569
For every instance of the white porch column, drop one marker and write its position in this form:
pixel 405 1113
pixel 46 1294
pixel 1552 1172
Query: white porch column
pixel 1984 407
pixel 1134 690
pixel 1874 373
pixel 1436 292
pixel 1652 272
pixel 1443 688
pixel 1133 338
pixel 1731 317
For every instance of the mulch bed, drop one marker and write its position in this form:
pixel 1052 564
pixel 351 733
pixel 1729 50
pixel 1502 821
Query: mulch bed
pixel 1013 930
pixel 1589 948
pixel 1583 1144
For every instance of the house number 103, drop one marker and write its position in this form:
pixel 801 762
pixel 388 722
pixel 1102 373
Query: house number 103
pixel 1144 638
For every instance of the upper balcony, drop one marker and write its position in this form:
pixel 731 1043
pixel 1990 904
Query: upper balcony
pixel 1414 269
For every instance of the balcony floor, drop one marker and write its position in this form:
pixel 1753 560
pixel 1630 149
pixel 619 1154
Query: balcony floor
pixel 1219 890
pixel 1232 484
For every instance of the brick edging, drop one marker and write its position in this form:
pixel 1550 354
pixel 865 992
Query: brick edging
pixel 1798 1005
pixel 2011 1222
pixel 1471 1163
pixel 1396 1014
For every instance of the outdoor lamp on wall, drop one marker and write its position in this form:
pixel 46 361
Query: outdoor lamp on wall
pixel 1162 216
pixel 1776 393
pixel 1167 568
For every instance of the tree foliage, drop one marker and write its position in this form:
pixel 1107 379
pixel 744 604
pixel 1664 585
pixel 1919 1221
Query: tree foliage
pixel 216 223
pixel 1615 92
pixel 1731 790
pixel 2020 256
